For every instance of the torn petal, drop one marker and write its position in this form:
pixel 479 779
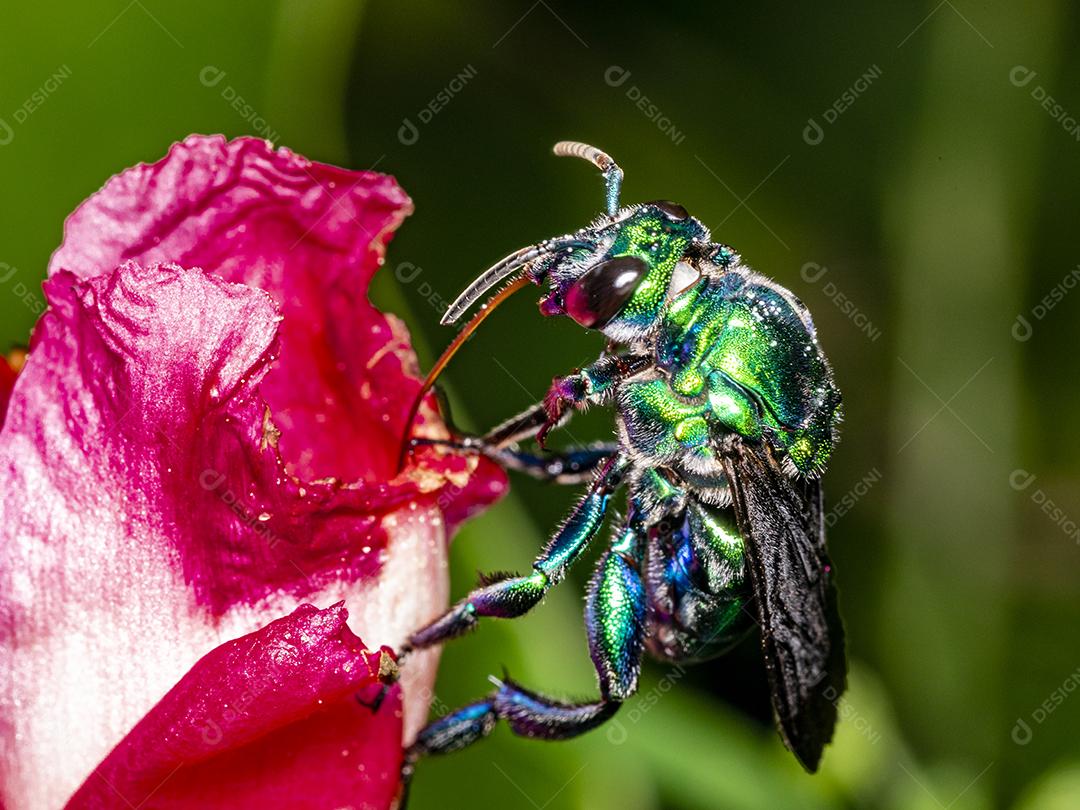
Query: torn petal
pixel 310 234
pixel 146 521
pixel 299 673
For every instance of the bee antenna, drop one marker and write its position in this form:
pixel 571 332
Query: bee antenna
pixel 613 175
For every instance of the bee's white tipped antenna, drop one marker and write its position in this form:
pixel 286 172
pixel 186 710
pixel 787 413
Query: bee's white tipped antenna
pixel 601 160
pixel 613 175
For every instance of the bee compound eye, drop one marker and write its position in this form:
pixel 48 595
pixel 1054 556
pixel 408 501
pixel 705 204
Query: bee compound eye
pixel 601 293
pixel 672 210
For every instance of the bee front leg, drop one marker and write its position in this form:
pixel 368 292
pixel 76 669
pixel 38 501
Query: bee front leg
pixel 571 465
pixel 565 394
pixel 587 386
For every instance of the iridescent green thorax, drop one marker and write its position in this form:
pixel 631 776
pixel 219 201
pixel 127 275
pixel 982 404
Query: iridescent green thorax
pixel 741 356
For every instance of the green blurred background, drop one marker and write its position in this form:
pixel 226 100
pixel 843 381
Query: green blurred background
pixel 909 170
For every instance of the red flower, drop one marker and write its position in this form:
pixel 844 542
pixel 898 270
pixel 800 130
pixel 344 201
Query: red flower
pixel 203 441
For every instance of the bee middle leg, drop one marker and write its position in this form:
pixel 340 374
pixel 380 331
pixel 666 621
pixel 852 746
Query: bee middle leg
pixel 513 596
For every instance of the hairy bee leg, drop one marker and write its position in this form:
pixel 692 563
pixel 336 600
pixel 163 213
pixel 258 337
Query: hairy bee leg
pixel 615 620
pixel 520 427
pixel 513 596
pixel 585 386
pixel 527 713
pixel 589 385
pixel 576 390
pixel 570 466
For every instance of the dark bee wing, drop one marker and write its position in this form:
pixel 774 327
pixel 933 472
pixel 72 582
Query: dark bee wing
pixel 801 634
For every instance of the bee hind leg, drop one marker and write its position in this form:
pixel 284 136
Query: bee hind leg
pixel 615 621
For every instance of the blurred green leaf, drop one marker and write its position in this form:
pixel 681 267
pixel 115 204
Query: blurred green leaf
pixel 1058 789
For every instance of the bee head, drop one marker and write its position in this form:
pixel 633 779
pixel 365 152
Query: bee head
pixel 624 270
pixel 614 275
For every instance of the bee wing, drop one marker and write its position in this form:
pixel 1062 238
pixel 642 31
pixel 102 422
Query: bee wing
pixel 802 637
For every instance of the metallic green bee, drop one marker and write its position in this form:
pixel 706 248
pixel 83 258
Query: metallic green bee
pixel 726 413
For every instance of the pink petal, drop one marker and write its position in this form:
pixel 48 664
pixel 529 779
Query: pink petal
pixel 7 382
pixel 179 466
pixel 312 235
pixel 137 462
pixel 216 739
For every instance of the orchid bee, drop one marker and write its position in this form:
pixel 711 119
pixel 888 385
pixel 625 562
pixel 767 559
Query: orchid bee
pixel 725 415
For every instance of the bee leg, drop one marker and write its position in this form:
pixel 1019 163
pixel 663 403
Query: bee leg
pixel 615 620
pixel 529 715
pixel 522 426
pixel 587 386
pixel 572 465
pixel 615 624
pixel 512 596
pixel 452 732
pixel 518 428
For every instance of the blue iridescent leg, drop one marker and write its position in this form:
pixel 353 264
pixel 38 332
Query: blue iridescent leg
pixel 572 465
pixel 615 620
pixel 512 596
